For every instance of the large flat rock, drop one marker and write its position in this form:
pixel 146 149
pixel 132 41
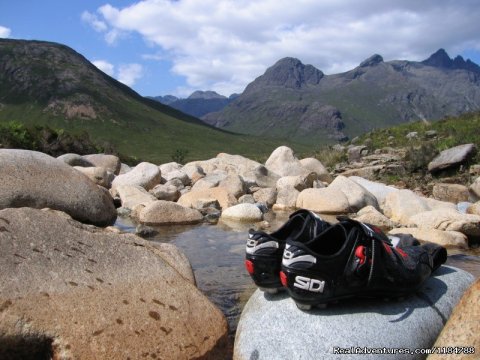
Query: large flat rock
pixel 271 326
pixel 37 180
pixel 72 291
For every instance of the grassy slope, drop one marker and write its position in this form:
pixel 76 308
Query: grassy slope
pixel 451 131
pixel 151 138
pixel 136 126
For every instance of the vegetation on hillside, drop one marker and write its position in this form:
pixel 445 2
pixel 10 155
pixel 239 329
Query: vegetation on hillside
pixel 14 135
pixel 450 131
pixel 55 87
pixel 418 142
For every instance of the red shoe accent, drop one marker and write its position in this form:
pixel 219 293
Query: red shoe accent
pixel 387 248
pixel 249 266
pixel 283 278
pixel 360 253
pixel 403 253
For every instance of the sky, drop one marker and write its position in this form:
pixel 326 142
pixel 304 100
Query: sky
pixel 160 47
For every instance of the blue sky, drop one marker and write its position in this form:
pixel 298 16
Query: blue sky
pixel 161 47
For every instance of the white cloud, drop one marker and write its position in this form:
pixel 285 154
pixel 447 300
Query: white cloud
pixel 130 73
pixel 105 66
pixel 94 21
pixel 224 44
pixel 5 32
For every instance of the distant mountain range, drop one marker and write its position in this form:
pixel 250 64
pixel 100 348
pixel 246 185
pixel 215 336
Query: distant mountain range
pixel 43 83
pixel 299 102
pixel 198 103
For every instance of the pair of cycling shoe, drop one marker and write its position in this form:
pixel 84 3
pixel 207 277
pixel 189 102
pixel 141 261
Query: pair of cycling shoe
pixel 318 262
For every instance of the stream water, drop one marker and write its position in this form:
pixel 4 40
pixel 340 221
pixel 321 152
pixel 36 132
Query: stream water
pixel 217 252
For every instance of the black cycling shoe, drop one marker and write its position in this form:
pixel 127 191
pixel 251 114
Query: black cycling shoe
pixel 264 251
pixel 354 259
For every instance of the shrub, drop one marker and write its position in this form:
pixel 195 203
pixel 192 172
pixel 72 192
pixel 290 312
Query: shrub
pixel 179 155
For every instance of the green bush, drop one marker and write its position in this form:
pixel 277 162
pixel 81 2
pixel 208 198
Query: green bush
pixel 180 155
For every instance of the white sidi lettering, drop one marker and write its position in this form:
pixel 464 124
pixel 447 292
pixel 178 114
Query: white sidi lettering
pixel 308 284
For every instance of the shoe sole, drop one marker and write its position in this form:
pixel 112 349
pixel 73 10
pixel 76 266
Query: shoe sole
pixel 306 300
pixel 265 272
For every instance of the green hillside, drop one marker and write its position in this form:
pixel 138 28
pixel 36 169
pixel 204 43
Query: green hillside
pixel 50 84
pixel 449 132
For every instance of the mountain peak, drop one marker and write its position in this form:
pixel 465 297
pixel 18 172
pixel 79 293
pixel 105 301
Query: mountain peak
pixel 439 59
pixel 291 73
pixel 372 61
pixel 206 95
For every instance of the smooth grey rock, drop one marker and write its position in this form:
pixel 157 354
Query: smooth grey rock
pixel 262 177
pixel 447 220
pixel 454 193
pixel 268 196
pixel 33 179
pixel 98 175
pixel 177 174
pixel 371 215
pixel 246 199
pixel 475 187
pixel 163 212
pixel 75 160
pixel 327 200
pixel 134 195
pixel 145 174
pixel 251 171
pixel 283 162
pixel 298 182
pixel 358 197
pixel 177 183
pixel 169 167
pixel 314 165
pixel 110 162
pixel 210 181
pixel 452 157
pixel 124 168
pixel 286 199
pixel 271 326
pixel 355 153
pixel 234 185
pixel 400 205
pixel 203 204
pixel 165 192
pixel 243 212
pixel 224 198
pixel 379 190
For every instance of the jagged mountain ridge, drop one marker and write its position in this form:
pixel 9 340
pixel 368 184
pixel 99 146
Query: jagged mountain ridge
pixel 297 101
pixel 198 104
pixel 44 83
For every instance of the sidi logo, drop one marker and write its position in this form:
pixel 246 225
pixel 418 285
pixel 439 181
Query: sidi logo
pixel 308 284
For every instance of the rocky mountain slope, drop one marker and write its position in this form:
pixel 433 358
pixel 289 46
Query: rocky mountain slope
pixel 44 83
pixel 198 103
pixel 297 101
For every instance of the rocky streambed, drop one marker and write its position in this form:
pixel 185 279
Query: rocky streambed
pixel 73 286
